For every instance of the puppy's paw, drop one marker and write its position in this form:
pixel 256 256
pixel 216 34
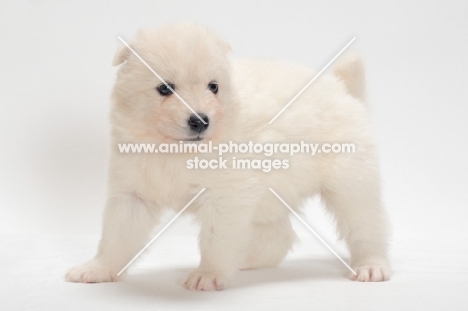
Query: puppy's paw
pixel 202 280
pixel 371 273
pixel 91 272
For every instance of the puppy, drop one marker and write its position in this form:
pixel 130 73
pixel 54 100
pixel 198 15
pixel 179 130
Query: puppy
pixel 243 225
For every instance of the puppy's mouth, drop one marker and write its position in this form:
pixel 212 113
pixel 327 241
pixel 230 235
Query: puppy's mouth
pixel 198 138
pixel 192 138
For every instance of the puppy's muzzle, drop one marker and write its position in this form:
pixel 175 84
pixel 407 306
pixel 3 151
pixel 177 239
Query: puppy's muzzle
pixel 196 125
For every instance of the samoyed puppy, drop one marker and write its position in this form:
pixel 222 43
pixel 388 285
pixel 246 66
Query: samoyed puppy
pixel 243 225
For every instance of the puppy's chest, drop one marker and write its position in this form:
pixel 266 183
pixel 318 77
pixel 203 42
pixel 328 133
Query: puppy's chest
pixel 167 182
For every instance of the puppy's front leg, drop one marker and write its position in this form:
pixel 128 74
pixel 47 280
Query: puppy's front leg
pixel 127 224
pixel 223 240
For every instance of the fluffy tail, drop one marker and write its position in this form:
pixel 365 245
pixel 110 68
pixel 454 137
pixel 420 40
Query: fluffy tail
pixel 350 69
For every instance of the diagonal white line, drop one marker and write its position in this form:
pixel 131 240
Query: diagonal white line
pixel 160 78
pixel 310 82
pixel 162 230
pixel 313 231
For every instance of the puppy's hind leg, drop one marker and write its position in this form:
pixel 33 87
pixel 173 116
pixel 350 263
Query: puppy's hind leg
pixel 270 243
pixel 127 223
pixel 352 193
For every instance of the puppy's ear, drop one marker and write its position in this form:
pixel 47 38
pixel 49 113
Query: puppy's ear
pixel 225 46
pixel 122 54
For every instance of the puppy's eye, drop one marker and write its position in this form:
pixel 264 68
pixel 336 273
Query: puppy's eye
pixel 213 87
pixel 164 90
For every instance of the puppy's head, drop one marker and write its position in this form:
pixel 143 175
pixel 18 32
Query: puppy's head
pixel 193 62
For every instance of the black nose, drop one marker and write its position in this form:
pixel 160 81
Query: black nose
pixel 196 124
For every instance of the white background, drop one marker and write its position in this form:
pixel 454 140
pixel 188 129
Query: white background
pixel 55 81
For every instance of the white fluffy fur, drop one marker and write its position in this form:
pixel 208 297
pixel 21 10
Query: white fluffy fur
pixel 243 226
